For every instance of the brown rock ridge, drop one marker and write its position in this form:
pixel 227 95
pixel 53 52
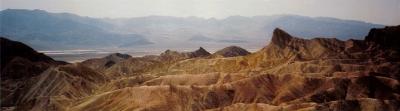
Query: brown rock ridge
pixel 316 74
pixel 19 63
pixel 286 54
pixel 106 62
pixel 288 74
pixel 14 54
pixel 231 51
pixel 153 64
pixel 31 79
pixel 386 38
pixel 63 84
pixel 169 55
pixel 276 92
pixel 284 45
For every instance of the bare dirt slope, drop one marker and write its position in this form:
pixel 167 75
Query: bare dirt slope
pixel 288 74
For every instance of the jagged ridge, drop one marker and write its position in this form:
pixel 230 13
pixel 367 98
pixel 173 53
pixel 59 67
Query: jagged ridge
pixel 288 74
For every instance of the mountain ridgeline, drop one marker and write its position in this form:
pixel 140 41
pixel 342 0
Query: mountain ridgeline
pixel 290 74
pixel 56 31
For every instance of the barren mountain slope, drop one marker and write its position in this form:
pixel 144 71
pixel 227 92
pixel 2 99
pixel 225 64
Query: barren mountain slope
pixel 19 63
pixel 316 74
pixel 288 74
pixel 105 62
pixel 231 51
pixel 58 87
pixel 315 57
pixel 281 91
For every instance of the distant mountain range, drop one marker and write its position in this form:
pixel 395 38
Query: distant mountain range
pixel 44 30
pixel 53 31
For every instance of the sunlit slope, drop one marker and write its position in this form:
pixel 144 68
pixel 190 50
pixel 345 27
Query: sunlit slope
pixel 289 73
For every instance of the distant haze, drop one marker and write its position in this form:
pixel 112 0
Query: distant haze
pixel 55 31
pixel 374 11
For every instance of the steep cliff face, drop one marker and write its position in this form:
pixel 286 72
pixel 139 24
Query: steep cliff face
pixel 384 43
pixel 286 46
pixel 386 38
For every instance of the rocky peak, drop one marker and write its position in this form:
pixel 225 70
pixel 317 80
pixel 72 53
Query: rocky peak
pixel 106 62
pixel 280 37
pixel 201 49
pixel 21 61
pixel 283 45
pixel 119 55
pixel 387 38
pixel 232 51
pixel 201 52
pixel 167 51
pixel 11 49
pixel 170 53
pixel 352 45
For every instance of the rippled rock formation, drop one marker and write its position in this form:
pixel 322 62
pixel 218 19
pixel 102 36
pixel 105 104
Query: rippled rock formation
pixel 290 73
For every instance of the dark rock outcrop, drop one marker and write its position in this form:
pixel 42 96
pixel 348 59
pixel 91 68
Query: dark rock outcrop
pixel 170 55
pixel 231 51
pixel 15 55
pixel 386 38
pixel 284 46
pixel 20 63
pixel 106 62
pixel 11 49
pixel 201 52
pixel 280 38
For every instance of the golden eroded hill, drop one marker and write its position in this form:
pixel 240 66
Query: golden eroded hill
pixel 288 74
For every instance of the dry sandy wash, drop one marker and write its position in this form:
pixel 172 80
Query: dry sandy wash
pixel 288 74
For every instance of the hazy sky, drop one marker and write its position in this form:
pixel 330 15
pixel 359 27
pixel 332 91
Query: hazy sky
pixel 376 11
